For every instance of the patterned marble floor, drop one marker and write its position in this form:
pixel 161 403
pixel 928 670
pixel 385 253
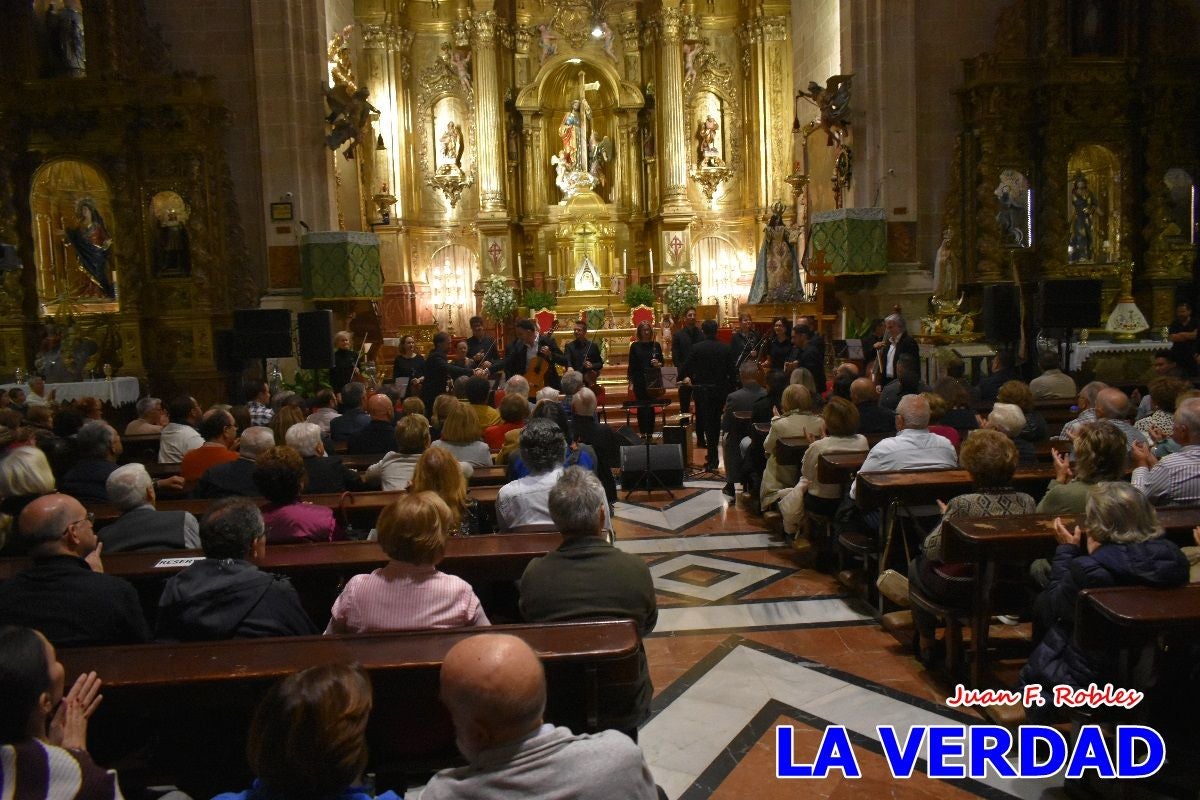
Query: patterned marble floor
pixel 749 637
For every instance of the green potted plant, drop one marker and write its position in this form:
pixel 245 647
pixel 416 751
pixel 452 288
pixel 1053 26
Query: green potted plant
pixel 539 298
pixel 681 294
pixel 639 294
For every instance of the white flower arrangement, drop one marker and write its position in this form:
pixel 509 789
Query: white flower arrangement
pixel 499 299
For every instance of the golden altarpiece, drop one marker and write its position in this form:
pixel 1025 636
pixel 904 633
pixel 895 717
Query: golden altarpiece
pixel 114 188
pixel 1079 155
pixel 571 146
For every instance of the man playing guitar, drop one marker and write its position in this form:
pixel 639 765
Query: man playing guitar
pixel 532 353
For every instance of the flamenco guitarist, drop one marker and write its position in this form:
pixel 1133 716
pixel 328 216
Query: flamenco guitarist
pixel 531 353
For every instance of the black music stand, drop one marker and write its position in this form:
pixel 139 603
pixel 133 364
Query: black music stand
pixel 644 480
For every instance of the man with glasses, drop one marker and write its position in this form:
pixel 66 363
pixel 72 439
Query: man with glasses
pixel 65 594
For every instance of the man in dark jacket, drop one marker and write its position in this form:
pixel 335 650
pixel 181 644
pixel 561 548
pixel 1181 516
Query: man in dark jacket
pixel 98 447
pixel 236 478
pixel 224 596
pixel 323 473
pixel 742 399
pixel 353 419
pixel 709 371
pixel 871 418
pixel 604 440
pixel 686 338
pixel 378 435
pixel 438 371
pixel 525 348
pixel 1003 371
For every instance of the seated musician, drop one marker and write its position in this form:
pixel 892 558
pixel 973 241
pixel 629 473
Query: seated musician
pixel 481 348
pixel 394 471
pixel 522 357
pixel 308 737
pixel 345 360
pixel 279 477
pixel 409 593
pixel 583 355
pixel 43 733
pixel 991 458
pixel 1119 544
pixel 224 595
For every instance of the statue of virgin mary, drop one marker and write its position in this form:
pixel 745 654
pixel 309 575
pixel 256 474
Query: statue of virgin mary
pixel 777 273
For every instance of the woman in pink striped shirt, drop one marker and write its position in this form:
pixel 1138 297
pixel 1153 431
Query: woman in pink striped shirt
pixel 409 593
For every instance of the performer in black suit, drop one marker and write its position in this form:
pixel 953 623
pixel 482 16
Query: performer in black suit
pixel 687 337
pixel 583 355
pixel 439 370
pixel 644 354
pixel 529 344
pixel 746 340
pixel 344 360
pixel 481 349
pixel 778 348
pixel 409 364
pixel 895 341
pixel 709 371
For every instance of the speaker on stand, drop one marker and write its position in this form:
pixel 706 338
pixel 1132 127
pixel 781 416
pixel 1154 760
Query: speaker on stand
pixel 658 463
pixel 315 334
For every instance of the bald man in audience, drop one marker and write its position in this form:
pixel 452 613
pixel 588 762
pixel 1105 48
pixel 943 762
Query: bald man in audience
pixel 872 418
pixel 1174 480
pixel 495 689
pixel 237 477
pixel 380 433
pixel 65 594
pixel 913 447
pixel 1114 405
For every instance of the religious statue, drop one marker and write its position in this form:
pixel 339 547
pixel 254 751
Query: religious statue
pixel 92 243
pixel 600 153
pixel 548 39
pixel 460 60
pixel 690 51
pixel 349 111
pixel 1083 225
pixel 945 273
pixel 64 39
pixel 1013 217
pixel 708 151
pixel 777 273
pixel 834 102
pixel 569 131
pixel 586 278
pixel 606 37
pixel 172 256
pixel 451 142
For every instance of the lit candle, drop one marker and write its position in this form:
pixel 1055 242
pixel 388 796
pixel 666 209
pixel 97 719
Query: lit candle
pixel 520 272
pixel 550 263
pixel 651 252
pixel 624 263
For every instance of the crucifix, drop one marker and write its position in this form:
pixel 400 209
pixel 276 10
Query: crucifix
pixel 585 119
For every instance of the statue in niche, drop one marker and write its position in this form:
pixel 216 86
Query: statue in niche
pixel 172 256
pixel 945 271
pixel 64 39
pixel 708 152
pixel 600 153
pixel 1083 222
pixel 451 142
pixel 570 132
pixel 777 273
pixel 92 244
pixel 1012 194
pixel 587 279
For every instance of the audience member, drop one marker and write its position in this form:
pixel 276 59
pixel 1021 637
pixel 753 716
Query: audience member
pixel 742 399
pixel 907 381
pixel 288 415
pixel 24 477
pixel 1003 371
pixel 36 394
pixel 1175 480
pixel 991 458
pixel 1018 394
pixel 65 593
pixel 604 441
pixel 43 733
pixel 97 447
pixel 438 471
pixel 150 418
pixel 1164 394
pixel 872 419
pixel 324 410
pixel 394 471
pixel 308 737
pixel 1085 401
pixel 224 595
pixel 379 433
pixel 323 473
pixel 514 410
pixel 1008 420
pixel 1100 455
pixel 495 689
pixel 525 500
pixel 796 421
pixel 413 405
pixel 1119 544
pixel 937 412
pixel 913 447
pixel 1053 383
pixel 462 436
pixel 575 453
pixel 352 419
pixel 141 526
pixel 409 593
pixel 810 495
pixel 236 478
pixel 477 394
pixel 959 413
pixel 1182 335
pixel 279 477
pixel 220 436
pixel 257 396
pixel 179 435
pixel 1113 405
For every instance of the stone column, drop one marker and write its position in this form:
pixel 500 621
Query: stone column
pixel 766 59
pixel 489 115
pixel 672 162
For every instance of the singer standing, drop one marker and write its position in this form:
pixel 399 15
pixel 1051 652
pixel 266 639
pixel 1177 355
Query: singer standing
pixel 709 371
pixel 644 354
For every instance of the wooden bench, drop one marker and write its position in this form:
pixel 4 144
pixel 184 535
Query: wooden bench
pixel 179 713
pixel 141 448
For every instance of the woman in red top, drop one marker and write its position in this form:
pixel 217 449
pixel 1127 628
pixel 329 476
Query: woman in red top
pixel 514 410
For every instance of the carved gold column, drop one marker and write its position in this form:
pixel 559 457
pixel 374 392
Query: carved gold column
pixel 766 59
pixel 672 162
pixel 534 164
pixel 489 115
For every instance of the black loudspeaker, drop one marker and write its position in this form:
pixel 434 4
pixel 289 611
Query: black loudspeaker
pixel 678 436
pixel 315 329
pixel 1002 312
pixel 666 462
pixel 1070 304
pixel 262 333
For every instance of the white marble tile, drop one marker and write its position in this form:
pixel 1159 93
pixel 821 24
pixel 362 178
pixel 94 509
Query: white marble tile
pixel 675 517
pixel 825 611
pixel 682 544
pixel 684 738
pixel 744 575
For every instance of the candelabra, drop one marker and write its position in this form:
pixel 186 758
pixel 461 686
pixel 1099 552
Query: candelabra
pixel 449 296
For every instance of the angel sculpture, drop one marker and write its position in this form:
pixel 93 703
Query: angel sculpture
pixel 690 51
pixel 834 102
pixel 548 38
pixel 460 60
pixel 599 154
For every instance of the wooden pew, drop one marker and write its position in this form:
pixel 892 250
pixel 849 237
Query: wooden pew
pixel 320 570
pixel 990 541
pixel 179 713
pixel 141 448
pixel 923 487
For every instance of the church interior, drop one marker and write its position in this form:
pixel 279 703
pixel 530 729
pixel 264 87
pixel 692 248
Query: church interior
pixel 1015 176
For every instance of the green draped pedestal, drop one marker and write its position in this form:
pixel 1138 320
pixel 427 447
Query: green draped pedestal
pixel 340 265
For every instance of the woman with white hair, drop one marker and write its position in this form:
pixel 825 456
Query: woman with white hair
pixel 1009 419
pixel 796 421
pixel 25 475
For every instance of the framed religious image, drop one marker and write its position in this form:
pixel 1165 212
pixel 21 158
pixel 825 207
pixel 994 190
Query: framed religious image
pixel 281 212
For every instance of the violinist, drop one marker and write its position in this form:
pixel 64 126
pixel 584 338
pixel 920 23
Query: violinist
pixel 644 354
pixel 582 354
pixel 745 341
pixel 345 360
pixel 529 351
pixel 409 364
pixel 777 349
pixel 481 349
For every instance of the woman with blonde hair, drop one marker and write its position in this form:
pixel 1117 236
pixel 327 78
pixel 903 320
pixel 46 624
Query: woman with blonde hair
pixel 409 593
pixel 25 475
pixel 463 437
pixel 797 420
pixel 841 436
pixel 285 418
pixel 438 471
